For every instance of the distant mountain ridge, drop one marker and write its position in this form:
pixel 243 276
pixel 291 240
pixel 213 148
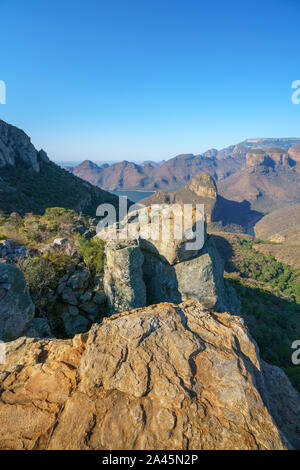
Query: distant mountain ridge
pixel 177 171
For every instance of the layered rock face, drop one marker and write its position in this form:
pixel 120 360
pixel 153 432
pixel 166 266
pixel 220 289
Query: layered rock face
pixel 151 270
pixel 255 159
pixel 163 377
pixel 272 157
pixel 16 306
pixel 203 185
pixel 294 152
pixel 16 146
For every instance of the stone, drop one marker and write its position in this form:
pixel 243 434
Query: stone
pixel 79 280
pixel 61 287
pixel 73 311
pixel 171 270
pixel 160 231
pixel 38 328
pixel 86 297
pixel 90 307
pixel 99 298
pixel 123 276
pixel 163 377
pixel 74 325
pixel 201 278
pixel 16 306
pixel 69 297
pixel 62 244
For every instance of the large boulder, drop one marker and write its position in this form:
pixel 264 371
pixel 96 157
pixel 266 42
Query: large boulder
pixel 199 278
pixel 16 306
pixel 163 377
pixel 123 276
pixel 162 230
pixel 170 269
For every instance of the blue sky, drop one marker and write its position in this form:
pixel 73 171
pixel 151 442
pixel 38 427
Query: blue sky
pixel 149 79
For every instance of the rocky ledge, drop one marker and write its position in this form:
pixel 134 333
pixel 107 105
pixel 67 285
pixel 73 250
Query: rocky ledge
pixel 163 377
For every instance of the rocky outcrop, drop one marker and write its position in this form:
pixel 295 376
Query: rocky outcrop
pixel 143 271
pixel 270 157
pixel 294 153
pixel 16 147
pixel 78 301
pixel 203 185
pixel 12 251
pixel 255 159
pixel 199 278
pixel 123 276
pixel 163 377
pixel 16 307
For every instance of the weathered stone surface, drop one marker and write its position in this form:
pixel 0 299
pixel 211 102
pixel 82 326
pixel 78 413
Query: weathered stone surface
pixel 163 377
pixel 162 230
pixel 79 280
pixel 38 328
pixel 10 250
pixel 75 324
pixel 16 306
pixel 69 297
pixel 123 276
pixel 171 271
pixel 201 278
pixel 99 298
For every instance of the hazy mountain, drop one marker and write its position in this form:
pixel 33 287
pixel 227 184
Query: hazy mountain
pixel 177 171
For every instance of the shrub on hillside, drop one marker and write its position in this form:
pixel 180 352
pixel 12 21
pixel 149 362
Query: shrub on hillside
pixel 92 252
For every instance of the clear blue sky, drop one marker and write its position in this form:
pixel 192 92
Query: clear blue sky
pixel 149 79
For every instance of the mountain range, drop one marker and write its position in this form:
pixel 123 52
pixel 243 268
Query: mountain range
pixel 264 172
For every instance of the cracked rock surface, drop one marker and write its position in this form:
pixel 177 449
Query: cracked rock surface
pixel 163 377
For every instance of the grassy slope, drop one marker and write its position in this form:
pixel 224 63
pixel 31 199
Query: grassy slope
pixel 53 186
pixel 270 295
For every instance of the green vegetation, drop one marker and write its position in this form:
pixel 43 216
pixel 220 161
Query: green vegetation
pixel 257 151
pixel 92 252
pixel 278 277
pixel 274 323
pixel 29 191
pixel 31 229
pixel 276 150
pixel 45 267
pixel 269 292
pixel 42 274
